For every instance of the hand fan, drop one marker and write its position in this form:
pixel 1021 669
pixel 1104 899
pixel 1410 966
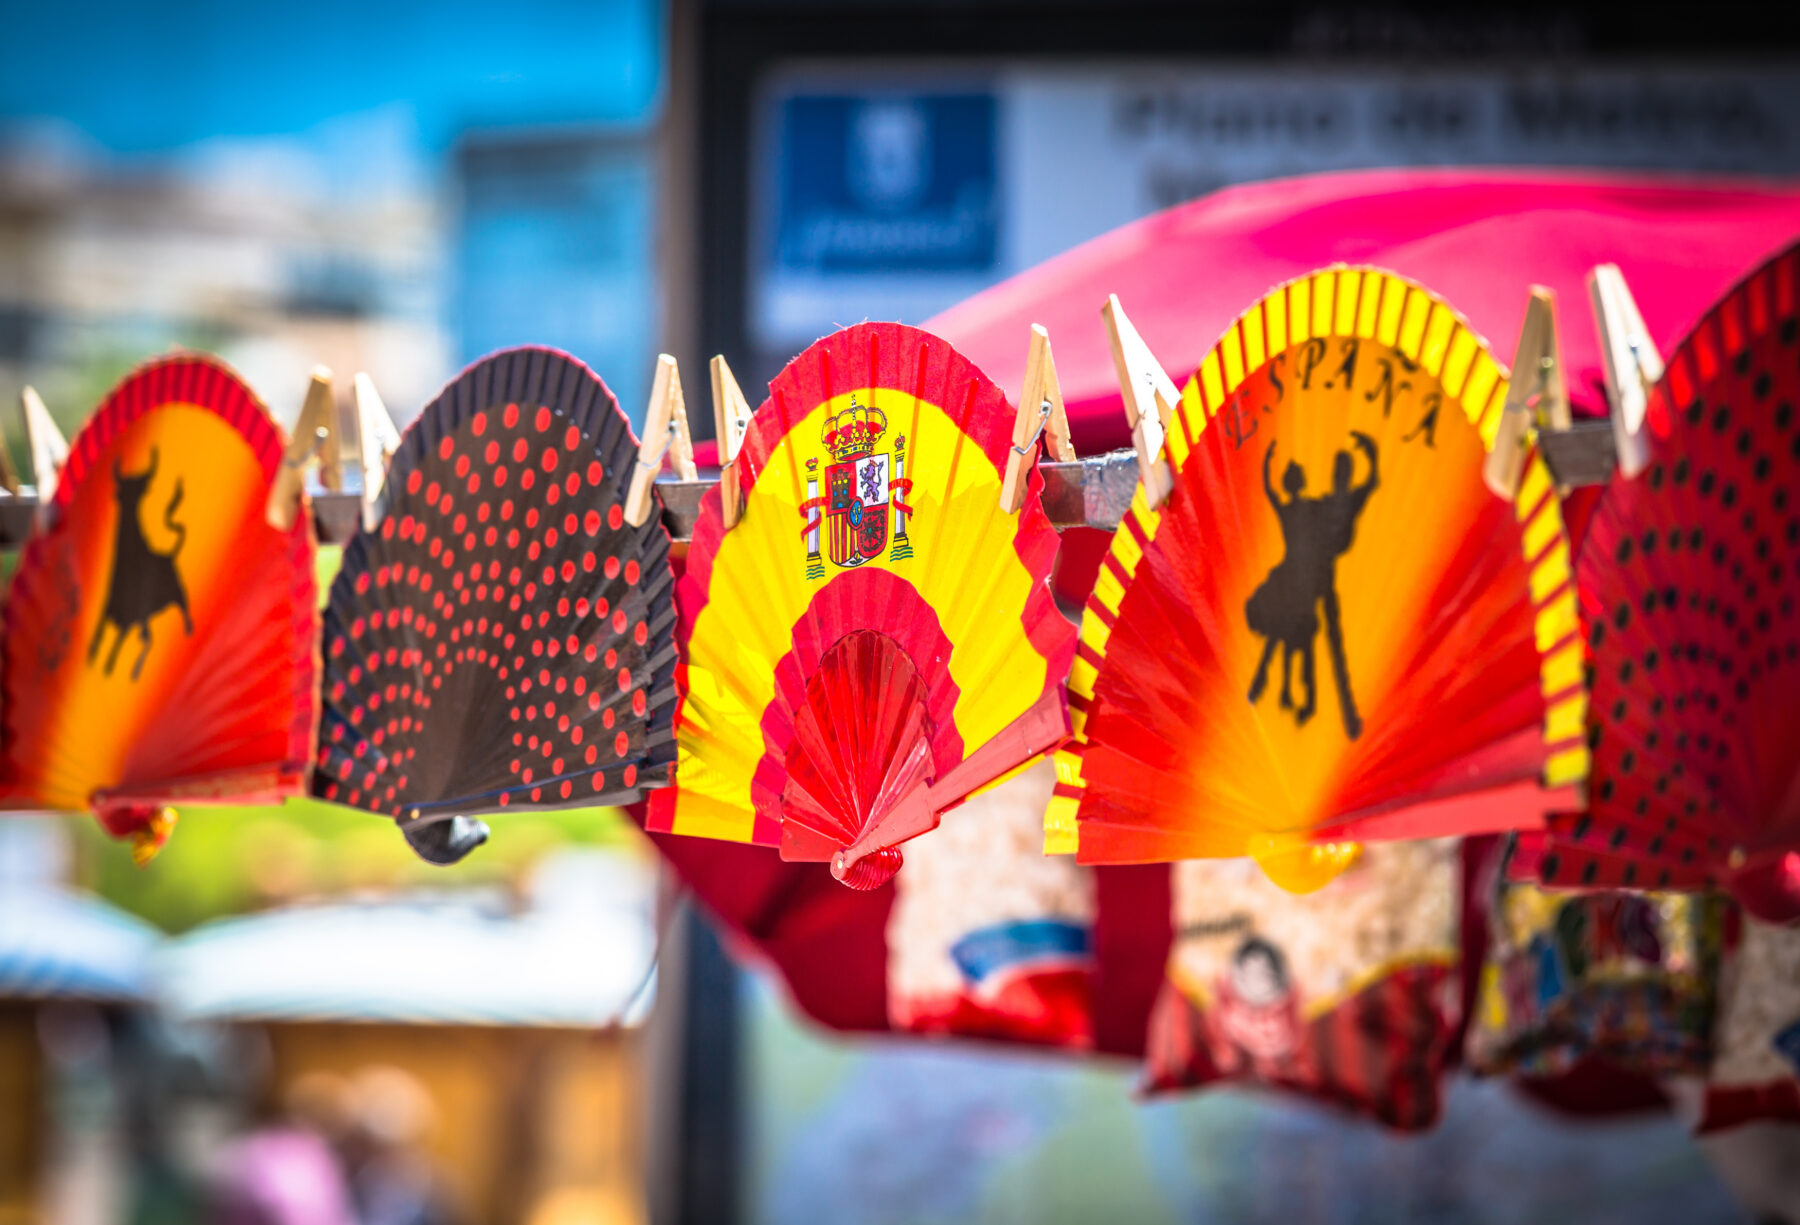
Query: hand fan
pixel 875 638
pixel 502 637
pixel 1331 632
pixel 1688 585
pixel 160 639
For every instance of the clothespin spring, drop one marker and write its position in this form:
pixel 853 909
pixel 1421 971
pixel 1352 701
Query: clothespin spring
pixel 1023 450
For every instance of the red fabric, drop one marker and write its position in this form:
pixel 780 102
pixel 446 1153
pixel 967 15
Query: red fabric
pixel 1132 934
pixel 1054 1008
pixel 828 943
pixel 1479 238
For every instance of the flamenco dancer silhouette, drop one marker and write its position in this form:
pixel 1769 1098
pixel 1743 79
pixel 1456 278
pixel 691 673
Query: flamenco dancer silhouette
pixel 1284 609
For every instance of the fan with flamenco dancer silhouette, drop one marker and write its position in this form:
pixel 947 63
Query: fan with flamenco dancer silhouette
pixel 160 637
pixel 1328 500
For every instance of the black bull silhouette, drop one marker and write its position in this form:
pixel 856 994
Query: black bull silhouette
pixel 143 581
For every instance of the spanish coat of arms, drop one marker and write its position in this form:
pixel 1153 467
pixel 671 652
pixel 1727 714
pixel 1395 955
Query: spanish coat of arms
pixel 863 487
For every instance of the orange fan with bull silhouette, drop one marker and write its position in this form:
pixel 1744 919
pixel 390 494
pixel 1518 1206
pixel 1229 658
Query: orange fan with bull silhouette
pixel 1331 632
pixel 876 638
pixel 160 637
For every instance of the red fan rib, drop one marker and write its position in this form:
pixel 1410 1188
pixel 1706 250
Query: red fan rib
pixel 854 758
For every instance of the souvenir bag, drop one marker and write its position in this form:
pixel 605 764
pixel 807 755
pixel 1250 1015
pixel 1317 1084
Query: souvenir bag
pixel 875 638
pixel 501 638
pixel 1348 994
pixel 989 937
pixel 1628 977
pixel 160 637
pixel 1331 632
pixel 1688 582
pixel 1756 1057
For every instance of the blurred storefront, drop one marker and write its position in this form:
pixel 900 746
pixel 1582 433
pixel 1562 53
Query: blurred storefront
pixel 73 972
pixel 481 1058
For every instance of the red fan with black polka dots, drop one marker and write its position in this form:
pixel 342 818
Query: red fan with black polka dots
pixel 1688 585
pixel 503 637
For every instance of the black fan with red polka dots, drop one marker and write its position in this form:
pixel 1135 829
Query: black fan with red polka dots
pixel 502 638
pixel 1689 579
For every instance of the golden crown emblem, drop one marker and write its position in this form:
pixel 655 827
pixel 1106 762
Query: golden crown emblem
pixel 853 431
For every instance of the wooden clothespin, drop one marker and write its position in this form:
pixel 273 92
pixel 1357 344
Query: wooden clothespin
pixel 1150 398
pixel 1040 415
pixel 665 429
pixel 9 476
pixel 731 418
pixel 315 439
pixel 377 441
pixel 1633 366
pixel 49 449
pixel 1537 395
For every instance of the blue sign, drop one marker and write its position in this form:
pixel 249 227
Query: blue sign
pixel 886 183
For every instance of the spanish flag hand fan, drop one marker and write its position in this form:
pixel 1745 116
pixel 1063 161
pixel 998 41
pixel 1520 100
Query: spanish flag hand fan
pixel 160 638
pixel 1688 584
pixel 503 637
pixel 1331 632
pixel 875 639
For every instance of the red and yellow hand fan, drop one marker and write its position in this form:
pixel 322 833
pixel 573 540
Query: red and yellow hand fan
pixel 1331 632
pixel 875 639
pixel 1688 597
pixel 160 638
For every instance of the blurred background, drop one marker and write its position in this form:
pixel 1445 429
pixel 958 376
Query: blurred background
pixel 545 1033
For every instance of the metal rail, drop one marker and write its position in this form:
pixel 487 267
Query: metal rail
pixel 1091 492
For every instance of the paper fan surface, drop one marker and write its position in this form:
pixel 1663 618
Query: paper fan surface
pixel 160 638
pixel 1331 632
pixel 1688 585
pixel 502 637
pixel 875 639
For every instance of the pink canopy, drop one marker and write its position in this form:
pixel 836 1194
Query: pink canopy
pixel 1478 238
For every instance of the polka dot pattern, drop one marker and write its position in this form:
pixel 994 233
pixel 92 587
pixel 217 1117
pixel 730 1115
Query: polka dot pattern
pixel 1690 582
pixel 476 656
